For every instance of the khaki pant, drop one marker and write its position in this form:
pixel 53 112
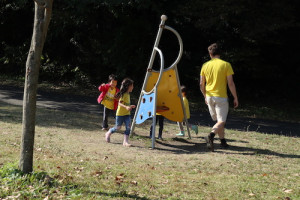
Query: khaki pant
pixel 218 108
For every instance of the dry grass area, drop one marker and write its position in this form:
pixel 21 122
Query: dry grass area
pixel 70 148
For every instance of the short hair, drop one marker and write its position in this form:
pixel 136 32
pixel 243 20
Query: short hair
pixel 214 49
pixel 112 77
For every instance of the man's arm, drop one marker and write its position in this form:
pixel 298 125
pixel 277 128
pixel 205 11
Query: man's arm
pixel 202 87
pixel 232 89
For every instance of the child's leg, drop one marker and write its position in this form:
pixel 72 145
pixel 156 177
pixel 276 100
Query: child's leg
pixel 194 128
pixel 180 124
pixel 127 131
pixel 152 126
pixel 105 117
pixel 161 125
pixel 114 129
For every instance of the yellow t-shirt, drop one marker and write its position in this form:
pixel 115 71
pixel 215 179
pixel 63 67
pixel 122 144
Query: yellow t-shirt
pixel 216 72
pixel 108 100
pixel 186 107
pixel 125 99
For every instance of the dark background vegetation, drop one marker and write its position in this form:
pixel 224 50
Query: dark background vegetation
pixel 89 39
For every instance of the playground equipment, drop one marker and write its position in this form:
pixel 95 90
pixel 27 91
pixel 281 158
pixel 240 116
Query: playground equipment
pixel 161 89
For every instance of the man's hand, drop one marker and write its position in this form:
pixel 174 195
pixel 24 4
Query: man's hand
pixel 205 101
pixel 235 103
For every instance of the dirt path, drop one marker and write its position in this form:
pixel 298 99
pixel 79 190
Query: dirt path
pixel 14 95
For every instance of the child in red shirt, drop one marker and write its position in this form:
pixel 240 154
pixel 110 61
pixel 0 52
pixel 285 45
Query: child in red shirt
pixel 107 99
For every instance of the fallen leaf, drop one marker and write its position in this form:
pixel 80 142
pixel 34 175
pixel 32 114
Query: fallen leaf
pixel 98 173
pixel 39 149
pixel 134 182
pixel 105 157
pixel 46 198
pixel 119 177
pixel 288 191
pixel 251 194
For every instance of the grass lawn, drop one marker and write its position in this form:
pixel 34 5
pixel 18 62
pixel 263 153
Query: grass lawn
pixel 72 161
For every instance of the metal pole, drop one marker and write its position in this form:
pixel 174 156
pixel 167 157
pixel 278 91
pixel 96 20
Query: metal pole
pixel 154 119
pixel 161 27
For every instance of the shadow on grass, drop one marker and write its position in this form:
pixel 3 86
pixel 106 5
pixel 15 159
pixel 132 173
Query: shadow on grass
pixel 122 194
pixel 253 151
pixel 193 148
pixel 52 118
pixel 181 146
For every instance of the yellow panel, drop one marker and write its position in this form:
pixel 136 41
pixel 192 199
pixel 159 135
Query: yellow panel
pixel 167 94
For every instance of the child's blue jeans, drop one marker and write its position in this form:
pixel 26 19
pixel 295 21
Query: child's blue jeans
pixel 119 122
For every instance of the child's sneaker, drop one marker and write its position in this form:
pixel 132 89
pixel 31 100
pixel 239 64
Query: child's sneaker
pixel 195 128
pixel 181 133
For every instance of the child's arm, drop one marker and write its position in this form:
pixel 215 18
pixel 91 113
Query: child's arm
pixel 101 87
pixel 126 107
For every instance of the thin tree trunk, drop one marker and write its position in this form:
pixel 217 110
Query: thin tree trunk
pixel 43 10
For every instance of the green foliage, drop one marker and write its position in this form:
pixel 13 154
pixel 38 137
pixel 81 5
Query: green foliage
pixel 36 185
pixel 88 40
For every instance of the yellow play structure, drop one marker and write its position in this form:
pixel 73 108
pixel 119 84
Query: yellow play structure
pixel 161 89
pixel 168 95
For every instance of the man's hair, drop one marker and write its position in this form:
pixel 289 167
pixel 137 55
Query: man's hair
pixel 214 49
pixel 112 77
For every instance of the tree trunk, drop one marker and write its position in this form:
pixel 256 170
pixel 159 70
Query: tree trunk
pixel 43 10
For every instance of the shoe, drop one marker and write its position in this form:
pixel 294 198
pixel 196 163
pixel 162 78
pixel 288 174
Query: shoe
pixel 104 129
pixel 195 128
pixel 209 142
pixel 160 138
pixel 224 143
pixel 180 134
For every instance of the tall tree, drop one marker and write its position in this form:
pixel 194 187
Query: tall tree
pixel 42 15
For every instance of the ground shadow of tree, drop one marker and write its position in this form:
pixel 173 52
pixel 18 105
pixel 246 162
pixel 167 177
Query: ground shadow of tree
pixel 53 118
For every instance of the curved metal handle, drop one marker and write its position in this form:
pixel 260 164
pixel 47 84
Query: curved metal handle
pixel 180 45
pixel 162 64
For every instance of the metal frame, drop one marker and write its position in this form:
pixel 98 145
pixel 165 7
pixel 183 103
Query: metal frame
pixel 149 69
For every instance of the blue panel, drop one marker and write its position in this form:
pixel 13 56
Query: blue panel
pixel 146 108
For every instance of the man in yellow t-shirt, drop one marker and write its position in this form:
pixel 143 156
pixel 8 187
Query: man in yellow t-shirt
pixel 215 75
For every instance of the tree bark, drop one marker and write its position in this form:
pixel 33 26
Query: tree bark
pixel 42 16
